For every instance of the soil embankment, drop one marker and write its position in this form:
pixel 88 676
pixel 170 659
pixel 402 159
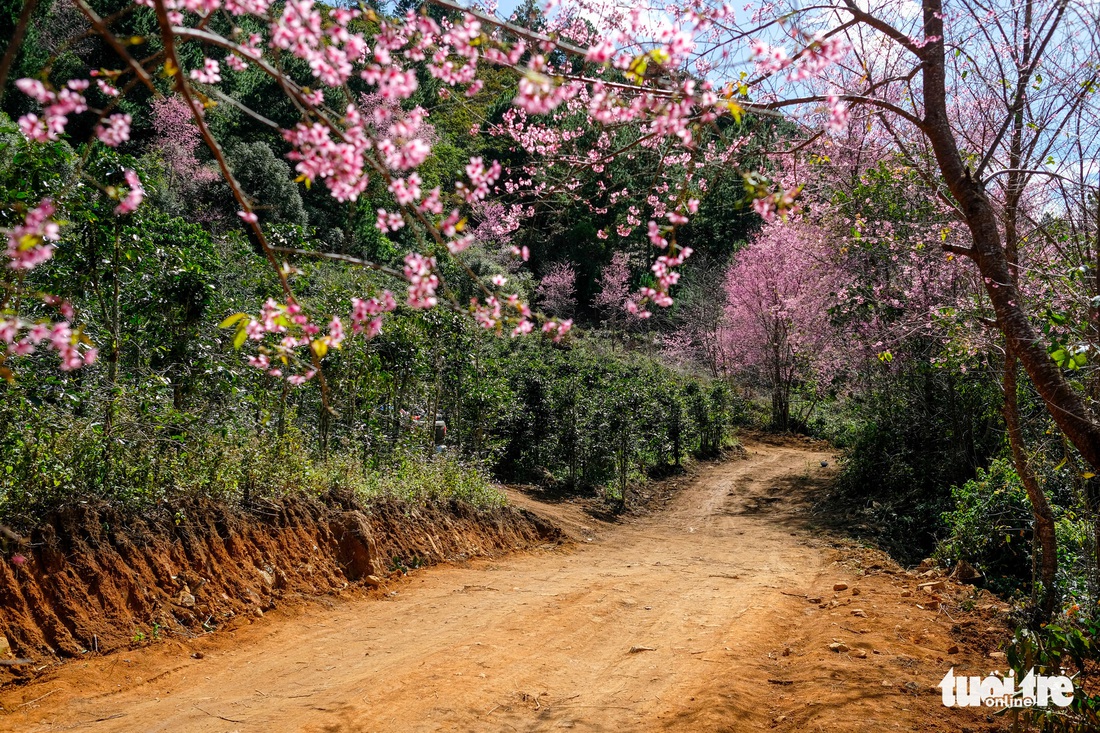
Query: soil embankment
pixel 97 581
pixel 726 610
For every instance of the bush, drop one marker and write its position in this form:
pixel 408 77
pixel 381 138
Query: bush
pixel 916 431
pixel 1069 648
pixel 587 417
pixel 991 527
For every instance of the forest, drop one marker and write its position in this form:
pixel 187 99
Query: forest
pixel 260 249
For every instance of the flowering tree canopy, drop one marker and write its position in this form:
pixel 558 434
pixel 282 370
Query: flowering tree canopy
pixel 992 107
pixel 780 291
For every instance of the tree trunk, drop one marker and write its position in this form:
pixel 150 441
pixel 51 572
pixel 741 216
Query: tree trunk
pixel 1040 507
pixel 1045 537
pixel 1065 406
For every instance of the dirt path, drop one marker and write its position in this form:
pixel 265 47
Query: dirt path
pixel 674 622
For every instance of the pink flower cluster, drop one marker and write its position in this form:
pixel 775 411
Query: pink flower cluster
pixel 29 244
pixel 293 330
pixel 116 130
pixel 838 114
pixel 56 108
pixel 819 54
pixel 495 313
pixel 540 94
pixel 422 280
pixel 331 51
pixel 22 338
pixel 135 194
pixel 776 203
pixel 666 275
pixel 339 163
pixel 366 315
pixel 457 41
pixel 557 329
pixel 210 73
pixel 481 178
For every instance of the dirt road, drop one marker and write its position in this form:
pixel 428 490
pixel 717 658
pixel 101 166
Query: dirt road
pixel 692 619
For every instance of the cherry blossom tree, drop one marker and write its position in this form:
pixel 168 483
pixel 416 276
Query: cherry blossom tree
pixel 557 291
pixel 342 147
pixel 778 328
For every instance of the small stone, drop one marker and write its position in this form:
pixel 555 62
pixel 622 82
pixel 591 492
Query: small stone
pixel 859 612
pixel 860 654
pixel 186 599
pixel 953 649
pixel 998 655
pixel 197 655
pixel 906 593
pixel 838 647
pixel 855 591
pixel 268 578
pixel 813 599
pixel 840 586
pixel 258 612
pixel 786 651
pixel 932 587
pixel 932 605
pixel 373 581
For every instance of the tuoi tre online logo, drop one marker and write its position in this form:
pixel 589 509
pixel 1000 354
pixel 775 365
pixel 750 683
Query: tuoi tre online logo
pixel 1035 690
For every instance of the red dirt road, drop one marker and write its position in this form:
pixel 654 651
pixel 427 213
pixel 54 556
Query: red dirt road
pixel 692 619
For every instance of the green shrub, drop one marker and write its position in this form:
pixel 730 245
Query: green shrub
pixel 1069 648
pixel 990 526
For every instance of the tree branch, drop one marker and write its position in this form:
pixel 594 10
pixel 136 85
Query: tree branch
pixel 15 43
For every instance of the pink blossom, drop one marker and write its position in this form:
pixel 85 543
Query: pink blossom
pixel 422 281
pixel 134 195
pixel 210 73
pixel 107 87
pixel 116 131
pixel 56 108
pixel 557 291
pixel 838 114
pixel 30 243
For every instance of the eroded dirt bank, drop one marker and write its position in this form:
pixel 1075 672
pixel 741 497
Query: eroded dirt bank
pixel 96 580
pixel 716 613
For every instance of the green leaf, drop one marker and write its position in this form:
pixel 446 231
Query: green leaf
pixel 228 322
pixel 239 339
